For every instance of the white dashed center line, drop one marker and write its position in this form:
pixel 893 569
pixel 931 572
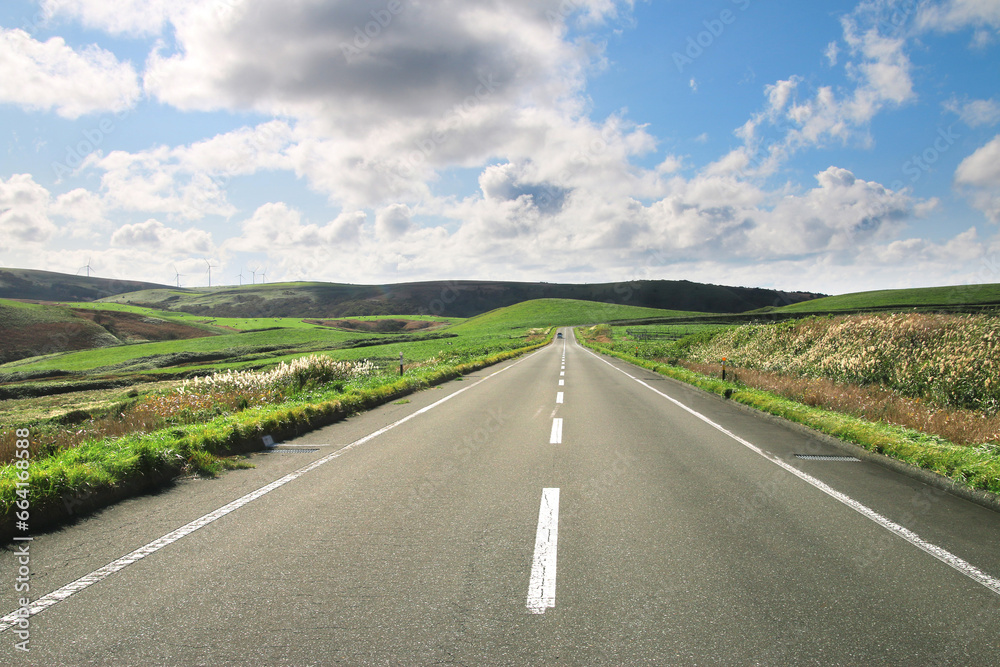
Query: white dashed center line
pixel 556 437
pixel 559 397
pixel 542 587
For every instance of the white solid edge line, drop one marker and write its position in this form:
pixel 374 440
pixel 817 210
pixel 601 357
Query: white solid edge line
pixel 60 594
pixel 943 555
pixel 542 585
pixel 556 437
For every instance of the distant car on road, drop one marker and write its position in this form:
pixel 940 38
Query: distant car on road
pixel 559 335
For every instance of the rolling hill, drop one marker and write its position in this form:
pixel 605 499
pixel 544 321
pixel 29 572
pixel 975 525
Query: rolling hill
pixel 31 329
pixel 449 299
pixel 50 286
pixel 957 297
pixel 464 298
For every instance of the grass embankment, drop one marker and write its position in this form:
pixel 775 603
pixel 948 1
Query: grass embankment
pixel 94 473
pixel 833 343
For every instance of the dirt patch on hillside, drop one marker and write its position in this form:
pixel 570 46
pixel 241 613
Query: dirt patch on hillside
pixel 40 338
pixel 133 327
pixel 379 326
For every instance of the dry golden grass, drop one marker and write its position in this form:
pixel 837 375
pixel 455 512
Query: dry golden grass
pixel 951 360
pixel 875 403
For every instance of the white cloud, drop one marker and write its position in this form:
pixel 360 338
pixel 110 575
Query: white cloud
pixel 952 15
pixel 190 181
pixel 84 211
pixel 153 235
pixel 278 229
pixel 881 72
pixel 831 53
pixel 434 85
pixel 979 176
pixel 975 113
pixel 129 17
pixel 24 208
pixel 153 182
pixel 52 76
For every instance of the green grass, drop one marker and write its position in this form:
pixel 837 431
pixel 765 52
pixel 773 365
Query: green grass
pixel 959 295
pixel 666 331
pixel 19 314
pixel 558 312
pixel 101 470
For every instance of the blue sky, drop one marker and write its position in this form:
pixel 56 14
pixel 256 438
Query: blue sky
pixel 833 147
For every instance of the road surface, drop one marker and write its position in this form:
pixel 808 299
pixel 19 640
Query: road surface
pixel 562 508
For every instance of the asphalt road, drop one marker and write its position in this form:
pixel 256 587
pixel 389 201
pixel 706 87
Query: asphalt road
pixel 652 525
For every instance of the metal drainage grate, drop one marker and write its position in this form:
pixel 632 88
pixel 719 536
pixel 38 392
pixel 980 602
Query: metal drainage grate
pixel 291 450
pixel 827 457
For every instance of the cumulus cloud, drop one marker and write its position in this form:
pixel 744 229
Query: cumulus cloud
pixel 24 218
pixel 83 210
pixel 124 17
pixel 979 176
pixel 384 97
pixel 190 182
pixel 51 75
pixel 153 235
pixel 278 229
pixel 351 63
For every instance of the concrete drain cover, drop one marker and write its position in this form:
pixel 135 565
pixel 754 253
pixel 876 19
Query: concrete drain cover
pixel 292 450
pixel 827 457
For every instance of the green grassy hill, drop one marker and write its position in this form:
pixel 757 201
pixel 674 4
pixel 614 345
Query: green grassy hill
pixel 50 286
pixel 956 297
pixel 558 312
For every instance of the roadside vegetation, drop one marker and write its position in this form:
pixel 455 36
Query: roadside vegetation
pixel 920 387
pixel 120 418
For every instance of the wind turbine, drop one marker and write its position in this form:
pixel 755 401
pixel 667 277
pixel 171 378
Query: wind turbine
pixel 210 267
pixel 85 267
pixel 254 272
pixel 178 276
pixel 263 276
pixel 240 276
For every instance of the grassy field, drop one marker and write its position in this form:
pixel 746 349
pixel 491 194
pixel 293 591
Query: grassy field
pixel 560 312
pixel 928 297
pixel 105 438
pixel 665 332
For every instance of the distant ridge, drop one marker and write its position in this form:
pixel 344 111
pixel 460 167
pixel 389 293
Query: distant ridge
pixel 50 286
pixel 461 298
pixel 464 298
